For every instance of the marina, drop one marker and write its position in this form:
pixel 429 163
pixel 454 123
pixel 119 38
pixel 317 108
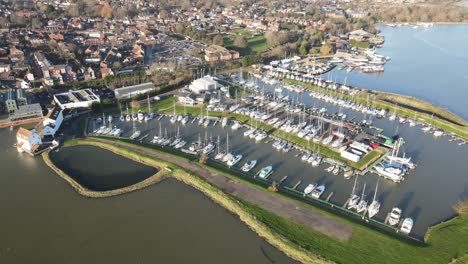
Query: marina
pixel 407 195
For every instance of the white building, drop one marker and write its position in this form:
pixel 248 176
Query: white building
pixel 204 84
pixel 5 68
pixel 52 122
pixel 76 99
pixel 27 140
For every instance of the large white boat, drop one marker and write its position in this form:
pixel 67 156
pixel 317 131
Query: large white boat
pixel 227 157
pixel 234 160
pixel 261 136
pixel 309 188
pixel 406 226
pixel 265 172
pixel 392 173
pixel 236 126
pixel 224 122
pixel 185 120
pixel 395 216
pixel 136 134
pixel 249 132
pixel 220 155
pixel 249 165
pixel 173 119
pixel 180 144
pixel 317 192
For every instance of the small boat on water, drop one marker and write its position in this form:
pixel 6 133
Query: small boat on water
pixel 249 165
pixel 438 133
pixel 327 140
pixel 305 157
pixel 173 119
pixel 207 122
pixel 128 118
pixel 406 226
pixel 330 169
pixel 263 173
pixel 228 157
pixel 135 134
pixel 122 118
pixel 309 188
pixel 185 120
pixel 234 160
pixel 141 116
pixel 395 216
pixel 317 192
pixel 336 170
pixel 261 136
pixel 249 132
pixel 374 207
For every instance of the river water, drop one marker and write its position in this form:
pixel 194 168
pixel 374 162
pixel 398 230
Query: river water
pixel 428 63
pixel 44 220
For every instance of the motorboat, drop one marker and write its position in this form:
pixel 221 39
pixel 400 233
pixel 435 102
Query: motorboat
pixel 234 160
pixel 316 162
pixel 406 226
pixel 309 188
pixel 249 165
pixel 173 119
pixel 327 140
pixel 249 132
pixel 438 133
pixel 336 170
pixel 261 136
pixel 236 126
pixel 141 116
pixel 305 157
pixel 395 216
pixel 317 192
pixel 122 118
pixel 330 169
pixel 206 123
pixel 265 172
pixel 128 118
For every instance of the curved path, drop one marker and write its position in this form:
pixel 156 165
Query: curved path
pixel 282 207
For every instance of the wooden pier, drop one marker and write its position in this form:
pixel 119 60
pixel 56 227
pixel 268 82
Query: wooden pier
pixel 283 179
pixel 329 196
pixel 297 184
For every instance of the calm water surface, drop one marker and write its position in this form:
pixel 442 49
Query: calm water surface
pixel 101 170
pixel 45 221
pixel 428 63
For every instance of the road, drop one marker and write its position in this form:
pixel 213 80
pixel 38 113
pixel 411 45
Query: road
pixel 278 205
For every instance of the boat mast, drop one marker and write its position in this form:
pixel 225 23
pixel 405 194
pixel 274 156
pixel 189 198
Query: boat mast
pixel 375 193
pixel 354 186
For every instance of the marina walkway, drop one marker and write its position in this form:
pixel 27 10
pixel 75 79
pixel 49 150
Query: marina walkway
pixel 280 206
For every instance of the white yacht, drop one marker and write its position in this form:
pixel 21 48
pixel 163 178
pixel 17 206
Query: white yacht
pixel 249 165
pixel 141 116
pixel 236 126
pixel 261 136
pixel 220 155
pixel 327 140
pixel 234 160
pixel 374 207
pixel 224 122
pixel 406 226
pixel 309 188
pixel 395 216
pixel 362 205
pixel 317 192
pixel 249 132
pixel 136 134
pixel 265 172
pixel 180 144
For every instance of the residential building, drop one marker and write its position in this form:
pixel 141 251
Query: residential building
pixel 27 140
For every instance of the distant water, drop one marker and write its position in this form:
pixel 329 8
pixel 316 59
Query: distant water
pixel 428 63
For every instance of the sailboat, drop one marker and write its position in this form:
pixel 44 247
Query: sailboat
pixel 362 205
pixel 135 132
pixel 374 207
pixel 174 116
pixel 354 200
pixel 228 155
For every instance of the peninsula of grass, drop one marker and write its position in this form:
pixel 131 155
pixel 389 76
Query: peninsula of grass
pixel 444 242
pixel 402 105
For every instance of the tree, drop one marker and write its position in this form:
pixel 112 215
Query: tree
pixel 240 42
pixel 96 107
pixel 116 65
pixel 36 23
pixel 304 48
pixel 218 40
pixel 327 49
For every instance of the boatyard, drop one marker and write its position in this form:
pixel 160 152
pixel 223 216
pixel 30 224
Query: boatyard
pixel 257 149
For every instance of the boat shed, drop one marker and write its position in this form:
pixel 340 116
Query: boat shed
pixel 128 92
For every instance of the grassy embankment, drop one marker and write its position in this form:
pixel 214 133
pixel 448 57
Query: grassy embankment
pixel 359 44
pixel 218 196
pixel 444 242
pixel 167 106
pixel 404 106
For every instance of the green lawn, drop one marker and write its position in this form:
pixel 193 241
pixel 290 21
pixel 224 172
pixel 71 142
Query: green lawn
pixel 447 241
pixel 359 44
pixel 255 44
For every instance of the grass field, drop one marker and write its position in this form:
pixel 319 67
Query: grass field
pixel 446 242
pixel 359 44
pixel 255 44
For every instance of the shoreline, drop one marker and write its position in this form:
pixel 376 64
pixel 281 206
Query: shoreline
pixel 215 194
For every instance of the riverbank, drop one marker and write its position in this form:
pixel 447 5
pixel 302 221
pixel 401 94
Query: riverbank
pixel 217 195
pixel 444 242
pixel 406 106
